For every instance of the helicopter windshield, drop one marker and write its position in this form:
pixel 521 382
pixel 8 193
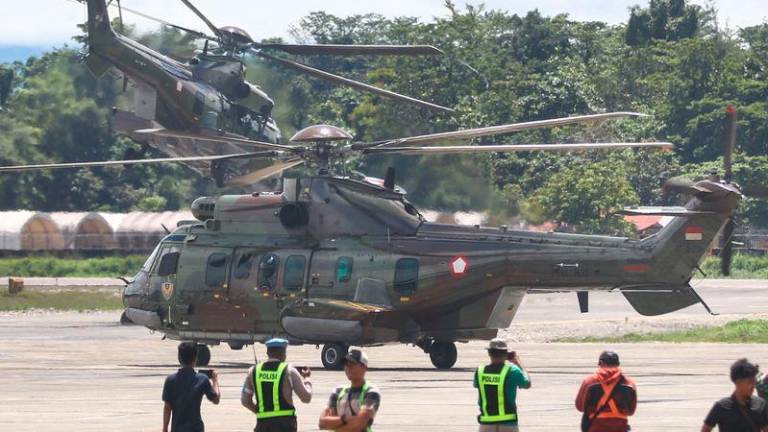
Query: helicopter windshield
pixel 148 263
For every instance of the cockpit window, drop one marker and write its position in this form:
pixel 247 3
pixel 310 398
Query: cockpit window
pixel 147 266
pixel 162 250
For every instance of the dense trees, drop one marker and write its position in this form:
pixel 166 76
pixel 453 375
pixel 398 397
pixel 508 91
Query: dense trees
pixel 670 60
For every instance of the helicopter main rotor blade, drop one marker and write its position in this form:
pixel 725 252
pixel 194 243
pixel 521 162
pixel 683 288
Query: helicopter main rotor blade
pixel 266 172
pixel 18 168
pixel 205 19
pixel 221 139
pixel 195 33
pixel 510 148
pixel 327 76
pixel 351 50
pixel 497 130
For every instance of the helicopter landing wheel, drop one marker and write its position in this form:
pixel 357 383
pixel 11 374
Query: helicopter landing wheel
pixel 333 356
pixel 443 354
pixel 203 355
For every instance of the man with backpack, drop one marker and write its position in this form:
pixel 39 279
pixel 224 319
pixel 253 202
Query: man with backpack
pixel 607 398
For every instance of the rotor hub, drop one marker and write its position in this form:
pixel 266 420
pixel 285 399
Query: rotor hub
pixel 321 133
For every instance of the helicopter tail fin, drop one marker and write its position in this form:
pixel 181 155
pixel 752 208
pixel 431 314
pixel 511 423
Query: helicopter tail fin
pixel 681 245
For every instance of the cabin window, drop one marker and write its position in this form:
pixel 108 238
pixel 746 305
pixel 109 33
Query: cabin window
pixel 268 271
pixel 406 276
pixel 216 270
pixel 294 272
pixel 344 269
pixel 244 263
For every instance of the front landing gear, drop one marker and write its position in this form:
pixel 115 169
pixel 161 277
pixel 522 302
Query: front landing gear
pixel 203 355
pixel 333 354
pixel 442 354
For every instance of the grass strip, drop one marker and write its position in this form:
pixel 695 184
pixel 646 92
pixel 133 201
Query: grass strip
pixel 48 266
pixel 61 300
pixel 741 331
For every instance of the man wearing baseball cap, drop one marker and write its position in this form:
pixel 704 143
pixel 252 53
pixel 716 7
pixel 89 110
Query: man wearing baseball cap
pixel 272 383
pixel 497 385
pixel 352 408
pixel 606 398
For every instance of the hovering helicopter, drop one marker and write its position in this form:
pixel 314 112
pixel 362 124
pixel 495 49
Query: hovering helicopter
pixel 204 113
pixel 335 260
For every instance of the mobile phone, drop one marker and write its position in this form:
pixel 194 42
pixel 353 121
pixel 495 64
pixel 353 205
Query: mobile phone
pixel 207 372
pixel 511 355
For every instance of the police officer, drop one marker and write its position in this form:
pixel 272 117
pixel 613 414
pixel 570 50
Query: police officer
pixel 352 408
pixel 497 385
pixel 272 384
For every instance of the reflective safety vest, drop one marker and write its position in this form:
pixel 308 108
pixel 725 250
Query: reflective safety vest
pixel 608 407
pixel 360 400
pixel 268 382
pixel 493 404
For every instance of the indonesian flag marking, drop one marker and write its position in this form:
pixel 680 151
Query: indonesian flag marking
pixel 459 266
pixel 636 268
pixel 693 233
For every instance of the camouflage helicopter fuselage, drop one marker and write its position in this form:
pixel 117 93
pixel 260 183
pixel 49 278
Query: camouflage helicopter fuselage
pixel 339 260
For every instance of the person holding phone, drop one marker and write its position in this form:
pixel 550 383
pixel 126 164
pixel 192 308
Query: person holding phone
pixel 269 387
pixel 497 385
pixel 183 392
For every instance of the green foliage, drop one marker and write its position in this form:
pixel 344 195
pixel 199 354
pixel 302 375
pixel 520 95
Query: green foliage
pixel 152 204
pixel 80 300
pixel 741 331
pixel 586 195
pixel 663 20
pixel 71 267
pixel 742 267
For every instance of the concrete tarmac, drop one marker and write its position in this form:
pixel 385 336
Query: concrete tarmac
pixel 85 372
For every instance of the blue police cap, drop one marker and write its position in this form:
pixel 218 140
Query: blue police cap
pixel 276 343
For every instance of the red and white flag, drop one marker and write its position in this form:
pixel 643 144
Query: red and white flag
pixel 693 233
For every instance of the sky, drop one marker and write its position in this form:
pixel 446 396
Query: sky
pixel 35 25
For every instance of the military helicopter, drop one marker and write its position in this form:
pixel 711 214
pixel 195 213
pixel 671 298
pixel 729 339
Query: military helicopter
pixel 336 260
pixel 204 113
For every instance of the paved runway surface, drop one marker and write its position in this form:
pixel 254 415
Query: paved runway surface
pixel 84 372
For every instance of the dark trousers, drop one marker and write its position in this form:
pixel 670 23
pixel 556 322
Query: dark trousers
pixel 276 424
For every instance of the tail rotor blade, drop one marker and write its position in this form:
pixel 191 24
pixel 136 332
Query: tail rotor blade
pixel 681 185
pixel 726 253
pixel 730 142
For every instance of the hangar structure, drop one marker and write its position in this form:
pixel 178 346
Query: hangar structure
pixel 25 230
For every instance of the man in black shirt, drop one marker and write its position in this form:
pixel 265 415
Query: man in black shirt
pixel 183 393
pixel 741 412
